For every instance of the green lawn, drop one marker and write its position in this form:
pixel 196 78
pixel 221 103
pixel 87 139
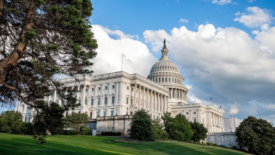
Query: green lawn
pixel 25 145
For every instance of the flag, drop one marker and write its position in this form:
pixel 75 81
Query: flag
pixel 220 107
pixel 211 99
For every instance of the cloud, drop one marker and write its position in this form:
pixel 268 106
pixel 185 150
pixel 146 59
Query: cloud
pixel 250 1
pixel 223 63
pixel 234 108
pixel 221 2
pixel 183 20
pixel 255 17
pixel 138 59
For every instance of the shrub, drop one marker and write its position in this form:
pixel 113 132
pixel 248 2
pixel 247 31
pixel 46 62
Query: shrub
pixel 199 131
pixel 141 126
pixel 110 133
pixel 85 131
pixel 175 125
pixel 25 128
pixel 7 129
pixel 69 132
pixel 257 135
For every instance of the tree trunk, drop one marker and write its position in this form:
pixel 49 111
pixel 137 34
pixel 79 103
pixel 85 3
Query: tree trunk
pixel 9 62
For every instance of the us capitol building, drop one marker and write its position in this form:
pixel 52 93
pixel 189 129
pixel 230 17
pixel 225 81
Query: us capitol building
pixel 111 99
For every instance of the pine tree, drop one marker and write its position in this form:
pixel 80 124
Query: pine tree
pixel 38 40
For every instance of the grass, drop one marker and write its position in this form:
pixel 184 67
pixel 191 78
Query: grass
pixel 19 144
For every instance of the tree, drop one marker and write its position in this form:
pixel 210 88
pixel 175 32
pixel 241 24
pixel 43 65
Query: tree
pixel 76 120
pixel 48 119
pixel 178 128
pixel 158 130
pixel 40 39
pixel 10 120
pixel 199 131
pixel 141 126
pixel 257 135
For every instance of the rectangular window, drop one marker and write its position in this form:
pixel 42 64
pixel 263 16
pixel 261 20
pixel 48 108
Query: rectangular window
pixel 97 113
pixel 114 86
pixel 112 113
pixel 194 120
pixel 127 87
pixel 85 101
pixel 92 102
pixel 127 100
pixel 104 113
pixel 98 88
pixel 23 109
pixel 86 90
pixel 106 101
pixel 75 94
pixel 79 91
pixel 106 87
pixel 62 104
pixel 79 101
pixel 98 102
pixel 25 119
pixel 113 100
pixel 194 112
pixel 92 89
pixel 131 101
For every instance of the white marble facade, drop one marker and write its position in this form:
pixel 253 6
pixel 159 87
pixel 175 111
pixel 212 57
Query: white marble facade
pixel 121 94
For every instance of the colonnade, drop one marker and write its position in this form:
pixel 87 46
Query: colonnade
pixel 166 80
pixel 146 98
pixel 177 93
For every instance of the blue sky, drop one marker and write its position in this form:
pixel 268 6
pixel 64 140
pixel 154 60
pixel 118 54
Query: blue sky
pixel 224 48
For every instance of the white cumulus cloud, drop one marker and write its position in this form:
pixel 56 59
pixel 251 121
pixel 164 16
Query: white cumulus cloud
pixel 221 2
pixel 255 17
pixel 137 58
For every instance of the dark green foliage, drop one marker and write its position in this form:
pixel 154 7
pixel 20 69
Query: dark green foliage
pixel 48 119
pixel 76 120
pixel 178 128
pixel 110 133
pixel 141 126
pixel 257 135
pixel 85 130
pixel 199 131
pixel 9 121
pixel 68 132
pixel 158 131
pixel 25 128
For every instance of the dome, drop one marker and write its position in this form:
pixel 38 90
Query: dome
pixel 165 66
pixel 165 71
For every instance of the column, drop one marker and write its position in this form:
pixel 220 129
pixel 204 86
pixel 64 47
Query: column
pixel 116 94
pixel 139 89
pixel 54 96
pixel 84 96
pixel 143 94
pixel 151 100
pixel 135 94
pixel 16 105
pixel 77 94
pixel 89 97
pixel 147 101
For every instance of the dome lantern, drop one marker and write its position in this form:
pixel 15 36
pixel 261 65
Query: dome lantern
pixel 164 51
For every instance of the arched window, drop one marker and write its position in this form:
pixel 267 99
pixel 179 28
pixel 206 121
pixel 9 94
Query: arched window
pixel 106 101
pixel 162 79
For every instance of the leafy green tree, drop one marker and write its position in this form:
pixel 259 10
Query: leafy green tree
pixel 178 128
pixel 41 39
pixel 48 120
pixel 159 133
pixel 76 120
pixel 257 135
pixel 10 120
pixel 199 131
pixel 141 126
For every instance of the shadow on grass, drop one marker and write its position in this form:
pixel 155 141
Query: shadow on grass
pixel 28 146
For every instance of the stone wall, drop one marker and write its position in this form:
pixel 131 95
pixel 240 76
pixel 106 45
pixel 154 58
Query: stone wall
pixel 227 139
pixel 112 123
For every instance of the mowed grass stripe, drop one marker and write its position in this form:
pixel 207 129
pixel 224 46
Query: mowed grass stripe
pixel 70 145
